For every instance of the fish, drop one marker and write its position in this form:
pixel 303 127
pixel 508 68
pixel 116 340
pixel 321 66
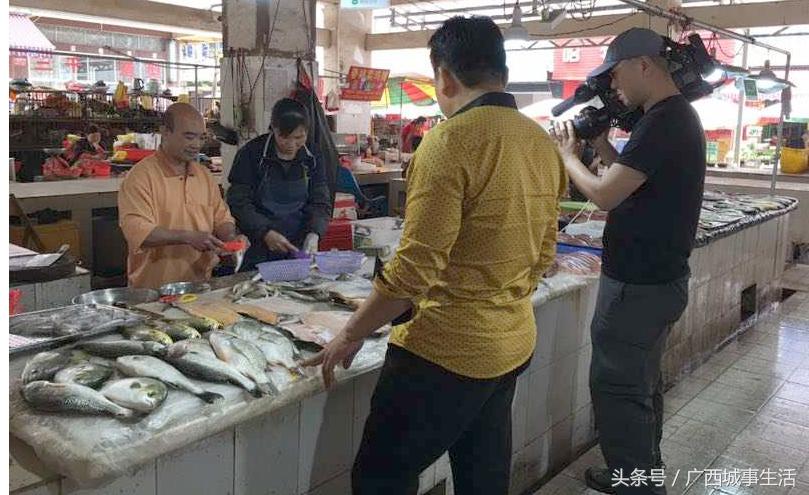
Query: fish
pixel 277 348
pixel 214 370
pixel 63 397
pixel 200 323
pixel 45 365
pixel 200 346
pixel 245 357
pixel 151 367
pixel 145 333
pixel 86 373
pixel 141 394
pixel 179 331
pixel 118 348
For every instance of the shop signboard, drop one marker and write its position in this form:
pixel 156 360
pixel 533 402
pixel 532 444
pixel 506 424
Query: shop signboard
pixel 364 4
pixel 364 84
pixel 712 152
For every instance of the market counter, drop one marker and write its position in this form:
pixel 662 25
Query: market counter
pixel 80 197
pixel 304 440
pixel 794 186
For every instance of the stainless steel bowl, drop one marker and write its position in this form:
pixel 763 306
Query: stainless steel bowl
pixel 118 297
pixel 180 288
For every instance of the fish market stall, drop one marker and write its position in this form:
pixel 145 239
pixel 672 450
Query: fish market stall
pixel 148 429
pixel 300 439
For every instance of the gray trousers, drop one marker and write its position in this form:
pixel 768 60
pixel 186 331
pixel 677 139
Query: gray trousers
pixel 629 331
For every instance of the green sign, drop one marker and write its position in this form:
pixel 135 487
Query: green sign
pixel 364 4
pixel 712 152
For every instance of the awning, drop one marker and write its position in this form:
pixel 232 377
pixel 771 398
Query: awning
pixel 22 33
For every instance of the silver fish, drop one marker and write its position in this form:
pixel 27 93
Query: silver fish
pixel 151 367
pixel 60 397
pixel 86 373
pixel 44 365
pixel 243 356
pixel 140 394
pixel 276 347
pixel 212 369
pixel 199 346
pixel 118 348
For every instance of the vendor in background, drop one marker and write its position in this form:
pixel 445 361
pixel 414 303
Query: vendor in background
pixel 370 152
pixel 171 211
pixel 412 135
pixel 278 190
pixel 88 145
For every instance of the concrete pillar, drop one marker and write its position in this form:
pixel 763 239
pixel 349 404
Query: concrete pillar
pixel 349 28
pixel 271 35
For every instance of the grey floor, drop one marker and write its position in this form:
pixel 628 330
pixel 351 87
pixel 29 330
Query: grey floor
pixel 747 408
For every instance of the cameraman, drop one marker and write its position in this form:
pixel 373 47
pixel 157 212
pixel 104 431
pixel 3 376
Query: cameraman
pixel 653 192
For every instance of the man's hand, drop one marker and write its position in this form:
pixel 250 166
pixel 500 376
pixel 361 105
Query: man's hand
pixel 310 243
pixel 566 140
pixel 275 241
pixel 202 241
pixel 340 350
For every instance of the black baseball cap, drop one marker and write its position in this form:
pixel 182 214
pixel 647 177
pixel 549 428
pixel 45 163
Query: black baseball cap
pixel 636 42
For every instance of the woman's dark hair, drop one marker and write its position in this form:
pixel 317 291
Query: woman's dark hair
pixel 92 129
pixel 472 49
pixel 419 120
pixel 288 115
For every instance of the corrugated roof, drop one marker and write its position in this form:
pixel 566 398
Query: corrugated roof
pixel 23 33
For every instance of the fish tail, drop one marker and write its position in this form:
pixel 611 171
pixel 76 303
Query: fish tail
pixel 210 397
pixel 267 388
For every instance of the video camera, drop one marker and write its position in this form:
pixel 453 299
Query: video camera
pixel 688 64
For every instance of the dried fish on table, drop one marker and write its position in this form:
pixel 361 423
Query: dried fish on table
pixel 140 394
pixel 245 357
pixel 88 374
pixel 71 397
pixel 257 313
pixel 213 370
pixel 152 367
pixel 282 305
pixel 314 334
pixel 147 333
pixel 118 348
pixel 218 311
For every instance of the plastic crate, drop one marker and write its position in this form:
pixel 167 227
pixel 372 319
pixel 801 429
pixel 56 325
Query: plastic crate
pixel 285 270
pixel 336 262
pixel 563 248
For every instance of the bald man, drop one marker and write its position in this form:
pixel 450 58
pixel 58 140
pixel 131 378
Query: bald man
pixel 171 211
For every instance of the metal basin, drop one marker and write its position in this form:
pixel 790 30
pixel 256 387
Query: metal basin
pixel 122 296
pixel 180 288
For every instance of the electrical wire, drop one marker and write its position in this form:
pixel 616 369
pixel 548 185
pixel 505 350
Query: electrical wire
pixel 580 31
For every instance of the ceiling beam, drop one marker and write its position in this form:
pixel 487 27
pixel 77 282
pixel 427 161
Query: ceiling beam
pixel 143 11
pixel 781 13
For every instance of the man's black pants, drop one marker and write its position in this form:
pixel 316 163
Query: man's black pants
pixel 629 331
pixel 420 410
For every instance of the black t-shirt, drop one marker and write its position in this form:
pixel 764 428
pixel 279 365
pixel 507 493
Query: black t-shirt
pixel 649 236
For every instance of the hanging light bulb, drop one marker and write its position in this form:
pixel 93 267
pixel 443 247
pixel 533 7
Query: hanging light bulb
pixel 516 31
pixel 768 82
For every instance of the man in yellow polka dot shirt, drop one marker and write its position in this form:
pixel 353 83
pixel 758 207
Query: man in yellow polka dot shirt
pixel 480 230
